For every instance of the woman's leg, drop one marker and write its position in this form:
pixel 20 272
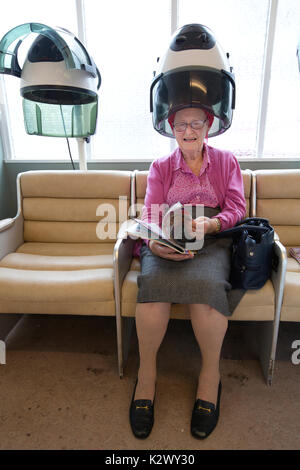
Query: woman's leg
pixel 151 324
pixel 209 327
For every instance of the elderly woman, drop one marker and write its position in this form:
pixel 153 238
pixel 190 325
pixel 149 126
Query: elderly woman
pixel 194 173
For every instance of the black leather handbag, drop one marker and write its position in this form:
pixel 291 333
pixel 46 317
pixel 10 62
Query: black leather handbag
pixel 252 252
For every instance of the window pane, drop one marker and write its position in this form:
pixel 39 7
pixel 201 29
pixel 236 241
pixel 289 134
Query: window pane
pixel 283 118
pixel 61 13
pixel 240 28
pixel 125 38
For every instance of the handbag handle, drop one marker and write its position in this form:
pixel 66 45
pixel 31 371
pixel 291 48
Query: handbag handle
pixel 254 219
pixel 243 225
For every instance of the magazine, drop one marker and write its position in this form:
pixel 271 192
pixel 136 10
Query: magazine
pixel 295 253
pixel 176 231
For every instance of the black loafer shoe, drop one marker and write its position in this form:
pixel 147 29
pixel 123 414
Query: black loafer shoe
pixel 205 417
pixel 141 416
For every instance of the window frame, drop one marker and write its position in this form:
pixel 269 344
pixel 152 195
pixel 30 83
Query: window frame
pixel 6 131
pixel 266 76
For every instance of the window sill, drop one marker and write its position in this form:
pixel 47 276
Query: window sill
pixel 259 160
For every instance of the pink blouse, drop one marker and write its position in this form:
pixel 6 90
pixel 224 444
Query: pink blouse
pixel 188 188
pixel 220 183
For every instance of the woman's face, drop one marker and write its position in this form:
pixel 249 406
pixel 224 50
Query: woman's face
pixel 190 140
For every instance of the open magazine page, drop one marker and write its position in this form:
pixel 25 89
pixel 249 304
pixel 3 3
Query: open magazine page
pixel 152 227
pixel 177 224
pixel 136 228
pixel 176 231
pixel 146 231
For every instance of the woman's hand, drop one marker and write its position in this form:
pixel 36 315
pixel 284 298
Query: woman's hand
pixel 204 225
pixel 167 253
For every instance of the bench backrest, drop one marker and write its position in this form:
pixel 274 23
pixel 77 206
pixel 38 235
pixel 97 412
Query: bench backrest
pixel 73 206
pixel 278 199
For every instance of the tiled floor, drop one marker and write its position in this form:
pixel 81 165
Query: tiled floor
pixel 60 389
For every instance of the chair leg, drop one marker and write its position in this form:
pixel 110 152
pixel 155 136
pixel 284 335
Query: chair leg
pixel 119 343
pixel 124 331
pixel 267 348
pixel 8 322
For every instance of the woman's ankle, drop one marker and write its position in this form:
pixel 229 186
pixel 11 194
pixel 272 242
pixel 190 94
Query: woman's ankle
pixel 145 388
pixel 208 384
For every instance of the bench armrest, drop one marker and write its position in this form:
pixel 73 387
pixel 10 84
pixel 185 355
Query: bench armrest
pixel 278 280
pixel 6 223
pixel 123 253
pixel 11 234
pixel 279 267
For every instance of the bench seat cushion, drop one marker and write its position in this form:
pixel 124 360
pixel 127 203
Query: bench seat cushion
pixel 58 278
pixel 291 297
pixel 55 263
pixel 78 292
pixel 66 249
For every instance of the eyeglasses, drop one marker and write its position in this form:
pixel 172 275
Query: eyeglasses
pixel 196 125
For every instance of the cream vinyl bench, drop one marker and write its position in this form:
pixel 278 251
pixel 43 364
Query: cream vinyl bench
pixel 54 257
pixel 278 199
pixel 261 305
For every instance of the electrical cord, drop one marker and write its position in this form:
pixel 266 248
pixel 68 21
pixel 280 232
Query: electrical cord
pixel 62 116
pixel 70 153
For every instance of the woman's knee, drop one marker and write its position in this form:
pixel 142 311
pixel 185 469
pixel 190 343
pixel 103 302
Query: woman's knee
pixel 206 312
pixel 153 311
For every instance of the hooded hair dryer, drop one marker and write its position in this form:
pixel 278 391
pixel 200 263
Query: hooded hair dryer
pixel 59 81
pixel 194 72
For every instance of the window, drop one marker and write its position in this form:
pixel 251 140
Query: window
pixel 125 37
pixel 241 28
pixel 22 145
pixel 283 114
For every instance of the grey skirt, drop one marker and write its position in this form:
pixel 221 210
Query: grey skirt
pixel 203 279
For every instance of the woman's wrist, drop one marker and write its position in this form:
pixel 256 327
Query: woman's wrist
pixel 150 244
pixel 217 224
